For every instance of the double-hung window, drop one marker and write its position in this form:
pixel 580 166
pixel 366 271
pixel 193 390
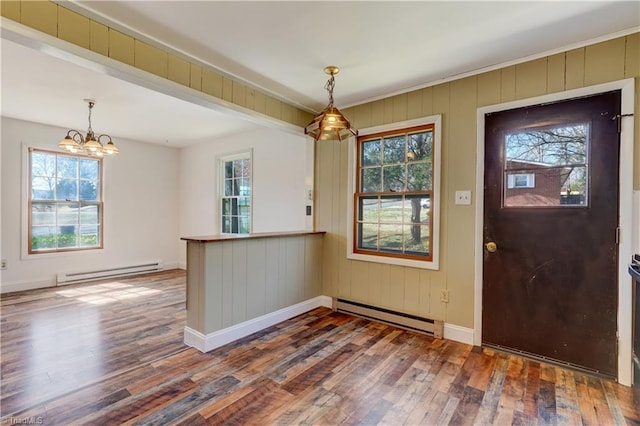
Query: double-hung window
pixel 395 202
pixel 236 194
pixel 65 202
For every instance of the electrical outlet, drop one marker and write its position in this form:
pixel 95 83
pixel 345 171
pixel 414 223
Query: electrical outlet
pixel 444 295
pixel 463 198
pixel 4 264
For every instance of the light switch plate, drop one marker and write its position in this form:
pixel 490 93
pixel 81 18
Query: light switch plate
pixel 463 198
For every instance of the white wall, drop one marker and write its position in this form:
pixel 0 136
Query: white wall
pixel 140 214
pixel 282 174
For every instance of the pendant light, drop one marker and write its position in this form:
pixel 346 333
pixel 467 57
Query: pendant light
pixel 89 144
pixel 330 123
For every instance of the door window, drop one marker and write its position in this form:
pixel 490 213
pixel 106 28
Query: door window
pixel 546 167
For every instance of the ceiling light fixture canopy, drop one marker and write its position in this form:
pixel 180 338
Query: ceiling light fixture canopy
pixel 330 123
pixel 88 144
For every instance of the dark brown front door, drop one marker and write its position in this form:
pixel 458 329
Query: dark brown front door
pixel 550 218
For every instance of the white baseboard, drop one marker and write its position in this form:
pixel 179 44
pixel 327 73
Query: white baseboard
pixel 206 343
pixel 14 286
pixel 458 333
pixel 167 266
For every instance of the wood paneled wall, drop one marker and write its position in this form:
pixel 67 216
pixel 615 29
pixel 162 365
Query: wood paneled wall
pixel 67 25
pixel 417 291
pixel 234 281
pixel 400 288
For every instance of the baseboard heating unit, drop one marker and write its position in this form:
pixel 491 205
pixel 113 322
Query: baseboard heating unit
pixel 428 326
pixel 99 274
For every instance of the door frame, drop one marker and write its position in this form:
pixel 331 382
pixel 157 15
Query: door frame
pixel 629 238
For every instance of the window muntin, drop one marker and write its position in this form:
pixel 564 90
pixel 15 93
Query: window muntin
pixel 236 194
pixel 394 190
pixel 547 166
pixel 65 202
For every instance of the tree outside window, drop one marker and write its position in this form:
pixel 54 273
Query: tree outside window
pixel 394 192
pixel 65 202
pixel 547 166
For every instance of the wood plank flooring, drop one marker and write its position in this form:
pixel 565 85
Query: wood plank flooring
pixel 111 353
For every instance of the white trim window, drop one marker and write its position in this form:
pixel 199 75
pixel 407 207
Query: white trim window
pixel 65 202
pixel 394 204
pixel 236 193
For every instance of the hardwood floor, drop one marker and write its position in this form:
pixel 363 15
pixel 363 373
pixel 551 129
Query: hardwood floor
pixel 111 353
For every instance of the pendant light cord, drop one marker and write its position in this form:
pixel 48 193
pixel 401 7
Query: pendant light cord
pixel 329 87
pixel 90 106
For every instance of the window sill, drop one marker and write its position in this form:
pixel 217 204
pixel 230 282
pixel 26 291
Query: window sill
pixel 412 263
pixel 53 254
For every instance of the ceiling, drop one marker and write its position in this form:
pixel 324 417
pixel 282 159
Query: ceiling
pixel 383 48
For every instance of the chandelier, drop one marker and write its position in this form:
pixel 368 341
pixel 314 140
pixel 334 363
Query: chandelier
pixel 89 144
pixel 330 123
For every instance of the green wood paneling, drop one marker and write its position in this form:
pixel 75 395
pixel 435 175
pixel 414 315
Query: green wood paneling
pixel 274 107
pixel 211 302
pixel 10 9
pixel 412 293
pixel 227 89
pixel 121 47
pixel 239 94
pixel 377 113
pixel 604 62
pixel 531 79
pixel 212 83
pixel 555 73
pixel 632 56
pixel 508 84
pixel 256 270
pixel 150 58
pixel 178 70
pixel 574 71
pixel 99 38
pixel 226 283
pixel 362 116
pixel 427 102
pixel 74 28
pixel 489 85
pixel 414 105
pixel 40 15
pixel 195 77
pixel 239 265
pixel 399 103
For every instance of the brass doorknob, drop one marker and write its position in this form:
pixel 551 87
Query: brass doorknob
pixel 491 247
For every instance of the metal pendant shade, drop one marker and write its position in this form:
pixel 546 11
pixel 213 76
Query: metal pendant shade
pixel 330 124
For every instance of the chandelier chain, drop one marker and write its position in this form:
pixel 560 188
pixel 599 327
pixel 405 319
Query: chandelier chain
pixel 329 87
pixel 90 130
